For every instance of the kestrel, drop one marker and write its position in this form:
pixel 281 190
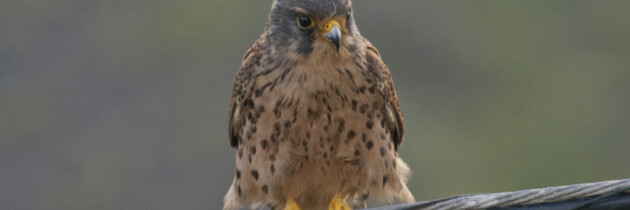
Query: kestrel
pixel 314 115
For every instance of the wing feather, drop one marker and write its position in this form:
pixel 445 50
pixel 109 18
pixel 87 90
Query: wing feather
pixel 385 86
pixel 242 92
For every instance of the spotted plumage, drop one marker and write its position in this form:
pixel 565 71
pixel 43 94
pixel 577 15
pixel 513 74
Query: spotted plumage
pixel 314 116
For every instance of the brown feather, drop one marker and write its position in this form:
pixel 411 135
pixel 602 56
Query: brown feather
pixel 383 78
pixel 242 91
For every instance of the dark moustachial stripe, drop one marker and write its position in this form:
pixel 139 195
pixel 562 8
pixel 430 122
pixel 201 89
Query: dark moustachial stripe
pixel 306 43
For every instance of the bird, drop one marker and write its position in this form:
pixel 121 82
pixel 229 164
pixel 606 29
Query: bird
pixel 314 116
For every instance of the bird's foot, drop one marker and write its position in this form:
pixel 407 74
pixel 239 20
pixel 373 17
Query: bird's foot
pixel 292 205
pixel 338 204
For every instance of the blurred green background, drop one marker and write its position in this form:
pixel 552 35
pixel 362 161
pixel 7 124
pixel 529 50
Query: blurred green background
pixel 124 104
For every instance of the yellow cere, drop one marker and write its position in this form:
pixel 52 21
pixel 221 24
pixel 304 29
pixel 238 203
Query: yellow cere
pixel 330 24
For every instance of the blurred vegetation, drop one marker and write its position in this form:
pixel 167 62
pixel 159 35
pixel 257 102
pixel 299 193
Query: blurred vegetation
pixel 123 104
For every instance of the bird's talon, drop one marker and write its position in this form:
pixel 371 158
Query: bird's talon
pixel 338 204
pixel 292 205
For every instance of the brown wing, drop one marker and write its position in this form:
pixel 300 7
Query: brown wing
pixel 241 93
pixel 385 86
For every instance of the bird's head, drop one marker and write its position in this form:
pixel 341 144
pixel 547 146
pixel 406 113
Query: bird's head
pixel 304 27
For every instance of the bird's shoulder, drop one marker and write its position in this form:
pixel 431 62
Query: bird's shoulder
pixel 242 87
pixel 380 74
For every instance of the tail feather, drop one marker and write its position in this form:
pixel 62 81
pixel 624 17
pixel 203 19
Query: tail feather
pixel 404 195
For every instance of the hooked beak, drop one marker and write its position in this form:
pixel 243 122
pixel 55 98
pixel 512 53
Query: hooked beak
pixel 332 33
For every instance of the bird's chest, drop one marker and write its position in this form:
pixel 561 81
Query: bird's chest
pixel 318 104
pixel 301 92
pixel 321 120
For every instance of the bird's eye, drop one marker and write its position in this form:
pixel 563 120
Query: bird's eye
pixel 305 22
